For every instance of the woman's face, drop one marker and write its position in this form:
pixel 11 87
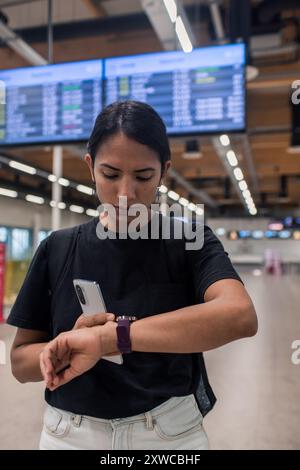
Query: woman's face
pixel 124 167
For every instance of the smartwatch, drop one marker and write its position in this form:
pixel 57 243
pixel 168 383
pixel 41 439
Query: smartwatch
pixel 123 333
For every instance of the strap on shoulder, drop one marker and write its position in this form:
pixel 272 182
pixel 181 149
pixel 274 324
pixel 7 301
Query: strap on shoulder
pixel 61 245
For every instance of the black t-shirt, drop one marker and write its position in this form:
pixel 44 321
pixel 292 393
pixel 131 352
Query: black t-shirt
pixel 137 277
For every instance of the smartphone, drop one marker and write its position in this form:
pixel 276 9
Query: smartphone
pixel 91 300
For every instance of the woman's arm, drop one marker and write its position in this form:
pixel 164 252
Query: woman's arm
pixel 25 355
pixel 227 315
pixel 29 344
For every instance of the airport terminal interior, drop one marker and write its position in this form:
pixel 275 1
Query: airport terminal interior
pixel 224 75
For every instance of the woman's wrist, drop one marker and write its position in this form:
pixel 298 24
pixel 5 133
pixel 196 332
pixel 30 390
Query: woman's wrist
pixel 107 335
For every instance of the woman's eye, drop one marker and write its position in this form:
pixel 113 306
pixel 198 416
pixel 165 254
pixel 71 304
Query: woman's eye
pixel 111 177
pixel 140 178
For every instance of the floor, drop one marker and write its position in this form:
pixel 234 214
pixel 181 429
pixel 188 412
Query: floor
pixel 257 385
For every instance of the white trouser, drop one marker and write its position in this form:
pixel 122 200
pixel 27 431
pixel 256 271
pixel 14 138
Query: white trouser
pixel 175 424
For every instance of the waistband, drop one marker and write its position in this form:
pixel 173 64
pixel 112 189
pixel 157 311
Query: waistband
pixel 147 416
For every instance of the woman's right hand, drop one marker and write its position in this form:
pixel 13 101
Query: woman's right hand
pixel 85 321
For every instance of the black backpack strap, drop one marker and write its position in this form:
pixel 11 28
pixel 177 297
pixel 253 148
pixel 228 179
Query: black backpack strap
pixel 61 245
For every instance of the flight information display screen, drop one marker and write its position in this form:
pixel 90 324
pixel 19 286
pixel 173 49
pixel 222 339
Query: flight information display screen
pixel 199 92
pixel 50 103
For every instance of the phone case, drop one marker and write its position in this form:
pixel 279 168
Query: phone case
pixel 94 303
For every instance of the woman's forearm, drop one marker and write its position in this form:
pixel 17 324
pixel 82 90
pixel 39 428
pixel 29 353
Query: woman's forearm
pixel 196 328
pixel 25 362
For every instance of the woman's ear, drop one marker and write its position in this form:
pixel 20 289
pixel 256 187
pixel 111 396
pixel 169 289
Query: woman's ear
pixel 89 162
pixel 164 173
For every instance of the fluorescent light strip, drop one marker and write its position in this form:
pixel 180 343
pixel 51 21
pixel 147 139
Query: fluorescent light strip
pixel 60 205
pixel 21 167
pixel 231 157
pixel 243 185
pixel 84 189
pixel 163 189
pixel 238 174
pixel 183 35
pixel 246 194
pixel 192 206
pixel 199 211
pixel 183 201
pixel 64 182
pixel 92 213
pixel 77 209
pixel 8 192
pixel 224 139
pixel 34 199
pixel 171 8
pixel 173 195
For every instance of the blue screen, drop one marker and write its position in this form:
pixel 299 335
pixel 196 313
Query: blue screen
pixel 199 92
pixel 50 103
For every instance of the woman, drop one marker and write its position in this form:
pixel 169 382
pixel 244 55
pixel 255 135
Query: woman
pixel 185 303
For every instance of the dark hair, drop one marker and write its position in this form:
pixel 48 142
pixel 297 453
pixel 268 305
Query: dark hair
pixel 138 121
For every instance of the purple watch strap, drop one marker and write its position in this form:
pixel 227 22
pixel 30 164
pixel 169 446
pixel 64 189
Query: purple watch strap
pixel 123 334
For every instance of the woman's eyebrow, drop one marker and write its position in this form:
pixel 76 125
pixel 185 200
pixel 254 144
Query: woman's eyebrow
pixel 118 169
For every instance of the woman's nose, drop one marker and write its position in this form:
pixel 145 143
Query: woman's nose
pixel 127 189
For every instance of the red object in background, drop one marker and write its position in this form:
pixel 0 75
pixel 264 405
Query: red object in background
pixel 2 272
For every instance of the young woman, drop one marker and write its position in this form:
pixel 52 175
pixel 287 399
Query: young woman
pixel 185 303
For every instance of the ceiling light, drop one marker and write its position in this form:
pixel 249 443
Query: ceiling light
pixel 21 167
pixel 231 157
pixel 163 189
pixel 92 213
pixel 253 211
pixel 247 194
pixel 34 199
pixel 238 174
pixel 85 189
pixel 243 185
pixel 183 35
pixel 199 211
pixel 173 195
pixel 64 182
pixel 8 192
pixel 171 8
pixel 183 201
pixel 78 209
pixel 192 206
pixel 224 139
pixel 52 178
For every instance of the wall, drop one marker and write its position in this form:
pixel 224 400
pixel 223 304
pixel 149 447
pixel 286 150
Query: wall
pixel 14 212
pixel 289 249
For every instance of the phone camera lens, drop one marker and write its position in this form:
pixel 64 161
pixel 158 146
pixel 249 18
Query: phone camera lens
pixel 80 294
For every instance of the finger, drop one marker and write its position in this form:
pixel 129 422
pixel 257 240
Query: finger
pixel 64 377
pixel 49 359
pixel 42 367
pixel 86 321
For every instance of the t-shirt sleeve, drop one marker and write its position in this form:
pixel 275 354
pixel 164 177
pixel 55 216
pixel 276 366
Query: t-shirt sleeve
pixel 209 264
pixel 31 309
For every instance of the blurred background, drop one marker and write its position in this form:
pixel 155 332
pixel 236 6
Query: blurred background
pixel 225 77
